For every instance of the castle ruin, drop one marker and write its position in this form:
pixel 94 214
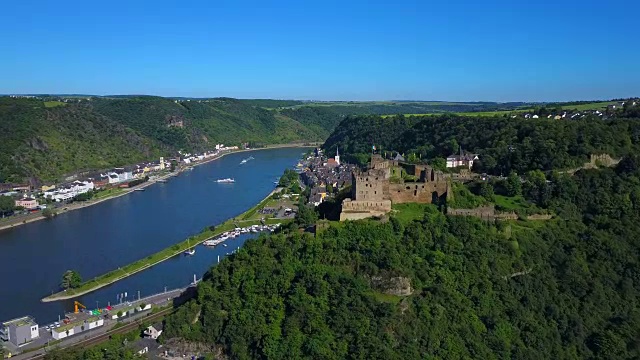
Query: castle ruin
pixel 382 184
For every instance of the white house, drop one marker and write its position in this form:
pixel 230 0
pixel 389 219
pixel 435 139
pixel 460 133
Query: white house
pixel 69 191
pixel 466 160
pixel 113 177
pixel 124 175
pixel 152 333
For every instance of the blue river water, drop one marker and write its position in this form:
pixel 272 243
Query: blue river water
pixel 119 231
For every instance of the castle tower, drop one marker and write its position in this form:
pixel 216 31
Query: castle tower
pixel 337 158
pixel 161 163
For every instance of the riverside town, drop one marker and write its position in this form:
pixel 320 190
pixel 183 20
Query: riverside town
pixel 28 198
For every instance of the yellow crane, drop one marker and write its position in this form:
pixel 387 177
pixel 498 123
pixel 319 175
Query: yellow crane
pixel 75 307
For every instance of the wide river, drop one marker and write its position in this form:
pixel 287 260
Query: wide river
pixel 119 231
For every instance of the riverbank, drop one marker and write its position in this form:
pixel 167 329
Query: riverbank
pixel 11 224
pixel 163 255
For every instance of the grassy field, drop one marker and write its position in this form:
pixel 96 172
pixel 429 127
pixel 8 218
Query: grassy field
pixel 107 193
pixel 142 264
pixel 512 203
pixel 493 113
pixel 408 212
pixel 470 113
pixel 51 104
pixel 386 298
pixel 590 106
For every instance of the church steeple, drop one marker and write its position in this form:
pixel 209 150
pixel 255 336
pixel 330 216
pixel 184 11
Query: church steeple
pixel 337 158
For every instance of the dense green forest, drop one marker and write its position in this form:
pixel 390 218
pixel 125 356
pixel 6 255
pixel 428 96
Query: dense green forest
pixel 47 142
pixel 504 144
pixel 44 140
pixel 562 289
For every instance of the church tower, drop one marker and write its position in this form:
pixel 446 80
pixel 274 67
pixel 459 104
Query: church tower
pixel 337 158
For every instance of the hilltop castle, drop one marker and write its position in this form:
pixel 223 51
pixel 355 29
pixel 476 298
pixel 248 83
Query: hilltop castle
pixel 382 184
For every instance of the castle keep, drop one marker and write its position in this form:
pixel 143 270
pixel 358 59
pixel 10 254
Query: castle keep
pixel 374 190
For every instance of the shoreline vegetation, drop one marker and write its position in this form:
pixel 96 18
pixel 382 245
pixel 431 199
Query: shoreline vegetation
pixel 122 192
pixel 174 250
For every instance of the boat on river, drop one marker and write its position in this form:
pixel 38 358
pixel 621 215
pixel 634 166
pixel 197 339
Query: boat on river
pixel 190 252
pixel 226 181
pixel 244 161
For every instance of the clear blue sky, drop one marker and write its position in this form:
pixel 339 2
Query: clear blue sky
pixel 501 50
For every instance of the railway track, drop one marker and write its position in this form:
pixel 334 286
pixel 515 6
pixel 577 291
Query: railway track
pixel 85 343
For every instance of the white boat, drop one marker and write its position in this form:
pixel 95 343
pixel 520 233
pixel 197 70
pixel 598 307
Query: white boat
pixel 190 252
pixel 213 242
pixel 227 180
pixel 225 245
pixel 244 161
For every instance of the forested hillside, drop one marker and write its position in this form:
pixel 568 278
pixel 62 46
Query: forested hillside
pixel 504 144
pixel 46 142
pixel 43 140
pixel 438 287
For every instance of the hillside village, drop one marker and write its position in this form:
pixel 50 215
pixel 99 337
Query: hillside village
pixel 566 113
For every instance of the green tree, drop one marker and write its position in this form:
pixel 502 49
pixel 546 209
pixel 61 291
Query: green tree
pixel 513 185
pixel 7 204
pixel 306 216
pixel 439 163
pixel 486 191
pixel 49 213
pixel 71 279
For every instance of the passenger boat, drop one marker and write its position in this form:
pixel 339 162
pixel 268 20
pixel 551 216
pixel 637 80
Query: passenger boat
pixel 227 180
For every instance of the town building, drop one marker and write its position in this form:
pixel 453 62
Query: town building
pixel 152 333
pixel 19 331
pixel 27 203
pixel 76 327
pixel 69 191
pixel 461 160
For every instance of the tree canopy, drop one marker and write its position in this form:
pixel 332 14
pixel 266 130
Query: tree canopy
pixel 504 144
pixel 566 288
pixel 71 279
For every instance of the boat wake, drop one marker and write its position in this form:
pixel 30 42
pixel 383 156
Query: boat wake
pixel 244 161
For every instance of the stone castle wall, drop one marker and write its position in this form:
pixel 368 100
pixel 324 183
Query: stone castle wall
pixel 356 209
pixel 489 213
pixel 369 186
pixel 373 193
pixel 416 192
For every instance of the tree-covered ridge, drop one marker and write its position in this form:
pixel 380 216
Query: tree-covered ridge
pixel 504 144
pixel 567 288
pixel 47 142
pixel 46 139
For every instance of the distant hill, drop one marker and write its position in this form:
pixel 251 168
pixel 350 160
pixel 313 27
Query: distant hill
pixel 46 139
pixel 504 144
pixel 45 136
